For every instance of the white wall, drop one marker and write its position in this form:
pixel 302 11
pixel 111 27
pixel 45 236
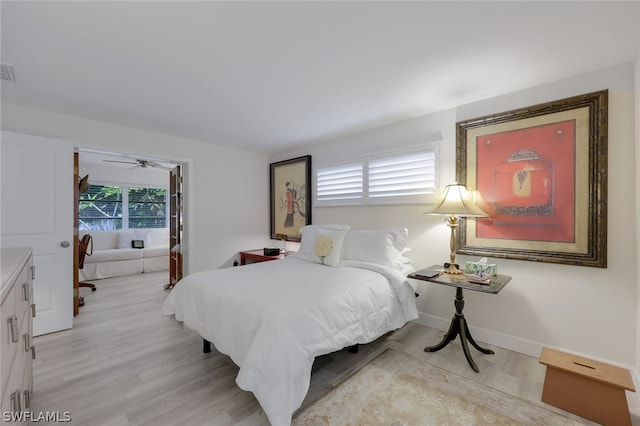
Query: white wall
pixel 584 310
pixel 637 190
pixel 227 199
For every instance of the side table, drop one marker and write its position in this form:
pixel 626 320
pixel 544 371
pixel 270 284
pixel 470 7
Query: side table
pixel 257 256
pixel 459 323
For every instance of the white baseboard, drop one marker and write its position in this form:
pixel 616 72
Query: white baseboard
pixel 501 340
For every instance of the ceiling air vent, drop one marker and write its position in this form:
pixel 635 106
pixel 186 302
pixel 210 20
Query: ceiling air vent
pixel 6 70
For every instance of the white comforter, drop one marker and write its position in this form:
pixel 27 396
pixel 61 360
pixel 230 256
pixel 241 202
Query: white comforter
pixel 274 318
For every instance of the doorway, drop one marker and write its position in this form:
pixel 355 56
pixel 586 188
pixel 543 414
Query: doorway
pixel 122 192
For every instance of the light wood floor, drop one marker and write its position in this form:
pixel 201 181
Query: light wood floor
pixel 125 364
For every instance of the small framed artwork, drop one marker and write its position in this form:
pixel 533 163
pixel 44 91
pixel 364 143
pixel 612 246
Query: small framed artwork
pixel 290 196
pixel 540 173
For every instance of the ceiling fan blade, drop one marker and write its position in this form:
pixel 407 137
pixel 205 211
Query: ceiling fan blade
pixel 141 163
pixel 149 163
pixel 123 162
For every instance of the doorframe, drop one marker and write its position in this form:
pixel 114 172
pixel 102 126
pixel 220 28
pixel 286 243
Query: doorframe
pixel 76 263
pixel 185 166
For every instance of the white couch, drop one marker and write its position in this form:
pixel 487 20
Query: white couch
pixel 113 256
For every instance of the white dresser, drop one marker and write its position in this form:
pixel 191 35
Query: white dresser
pixel 17 312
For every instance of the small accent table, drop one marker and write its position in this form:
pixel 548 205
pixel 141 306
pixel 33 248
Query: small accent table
pixel 257 256
pixel 459 323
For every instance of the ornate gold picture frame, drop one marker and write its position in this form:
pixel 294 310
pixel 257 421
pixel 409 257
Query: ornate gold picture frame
pixel 540 172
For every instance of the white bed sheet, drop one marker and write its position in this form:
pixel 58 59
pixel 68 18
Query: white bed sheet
pixel 274 318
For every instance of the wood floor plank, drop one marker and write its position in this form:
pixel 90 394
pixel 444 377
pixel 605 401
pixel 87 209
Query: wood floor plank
pixel 123 364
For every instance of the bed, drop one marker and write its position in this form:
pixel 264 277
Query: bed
pixel 273 318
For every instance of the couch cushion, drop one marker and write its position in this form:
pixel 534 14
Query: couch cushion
pixel 102 240
pixel 158 237
pixel 125 236
pixel 155 251
pixel 113 254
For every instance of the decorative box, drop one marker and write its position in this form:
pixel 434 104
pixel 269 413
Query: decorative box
pixel 481 268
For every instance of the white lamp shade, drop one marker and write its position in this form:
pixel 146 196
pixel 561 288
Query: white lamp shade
pixel 457 201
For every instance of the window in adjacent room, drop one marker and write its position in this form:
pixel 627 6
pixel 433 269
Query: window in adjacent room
pixel 147 207
pixel 400 177
pixel 120 207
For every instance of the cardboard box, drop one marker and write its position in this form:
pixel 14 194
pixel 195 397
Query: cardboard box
pixel 585 387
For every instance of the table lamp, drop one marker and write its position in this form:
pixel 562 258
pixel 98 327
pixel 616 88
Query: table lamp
pixel 456 202
pixel 283 243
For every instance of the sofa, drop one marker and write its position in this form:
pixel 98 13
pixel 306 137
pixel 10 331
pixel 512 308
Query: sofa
pixel 113 255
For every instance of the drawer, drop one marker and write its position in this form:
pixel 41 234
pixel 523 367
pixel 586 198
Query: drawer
pixel 9 348
pixel 14 383
pixel 27 380
pixel 23 294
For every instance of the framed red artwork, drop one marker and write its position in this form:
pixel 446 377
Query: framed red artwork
pixel 541 174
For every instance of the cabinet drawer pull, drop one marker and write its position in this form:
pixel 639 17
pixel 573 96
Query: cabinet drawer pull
pixel 15 401
pixel 13 325
pixel 33 310
pixel 27 399
pixel 27 342
pixel 33 351
pixel 25 292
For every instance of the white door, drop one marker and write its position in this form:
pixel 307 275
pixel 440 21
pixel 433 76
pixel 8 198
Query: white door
pixel 37 212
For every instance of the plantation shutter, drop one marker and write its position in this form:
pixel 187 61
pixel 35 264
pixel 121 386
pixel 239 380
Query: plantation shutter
pixel 344 182
pixel 402 175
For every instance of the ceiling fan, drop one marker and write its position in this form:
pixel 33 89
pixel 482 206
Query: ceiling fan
pixel 140 163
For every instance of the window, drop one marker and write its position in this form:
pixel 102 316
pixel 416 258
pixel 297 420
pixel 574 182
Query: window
pixel 402 177
pixel 115 207
pixel 147 208
pixel 342 182
pixel 100 208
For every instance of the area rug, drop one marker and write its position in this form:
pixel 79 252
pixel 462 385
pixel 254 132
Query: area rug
pixel 397 389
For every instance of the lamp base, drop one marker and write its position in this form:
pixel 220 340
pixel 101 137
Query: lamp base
pixel 451 268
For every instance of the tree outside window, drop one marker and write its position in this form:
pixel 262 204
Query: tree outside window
pixel 147 208
pixel 107 207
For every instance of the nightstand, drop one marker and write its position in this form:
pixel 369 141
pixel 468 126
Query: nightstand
pixel 459 323
pixel 257 256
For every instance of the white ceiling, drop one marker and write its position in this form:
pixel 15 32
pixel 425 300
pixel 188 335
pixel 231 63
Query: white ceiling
pixel 268 76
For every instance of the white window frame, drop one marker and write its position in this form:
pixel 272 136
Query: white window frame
pixel 366 199
pixel 125 199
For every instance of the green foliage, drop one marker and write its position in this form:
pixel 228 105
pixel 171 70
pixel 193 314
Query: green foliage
pixel 101 207
pixel 147 207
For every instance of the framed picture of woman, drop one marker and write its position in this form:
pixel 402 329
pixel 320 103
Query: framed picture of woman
pixel 290 196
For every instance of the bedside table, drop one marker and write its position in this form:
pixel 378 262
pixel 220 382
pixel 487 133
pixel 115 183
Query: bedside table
pixel 257 256
pixel 459 323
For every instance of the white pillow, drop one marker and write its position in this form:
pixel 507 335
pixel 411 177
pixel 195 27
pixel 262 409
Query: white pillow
pixel 382 247
pixel 403 258
pixel 310 234
pixel 125 238
pixel 328 246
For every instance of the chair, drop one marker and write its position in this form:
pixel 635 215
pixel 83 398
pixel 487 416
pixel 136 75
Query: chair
pixel 84 250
